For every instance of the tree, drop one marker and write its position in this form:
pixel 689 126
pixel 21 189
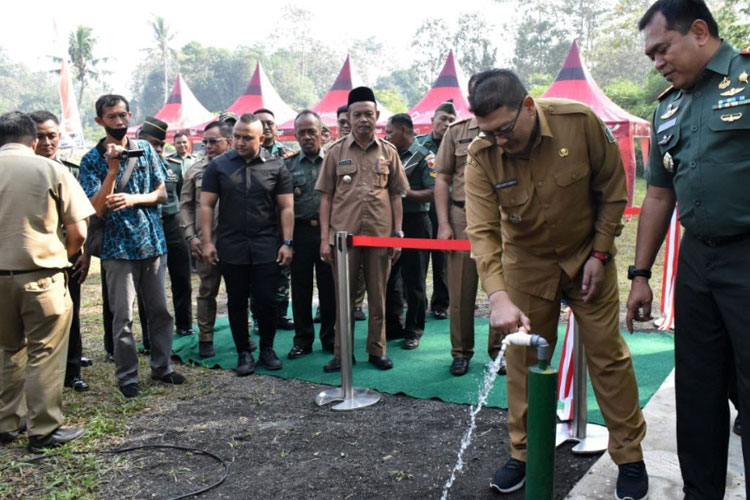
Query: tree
pixel 25 90
pixel 541 46
pixel 405 82
pixel 163 37
pixel 81 50
pixel 733 18
pixel 366 56
pixel 474 51
pixel 392 100
pixel 431 42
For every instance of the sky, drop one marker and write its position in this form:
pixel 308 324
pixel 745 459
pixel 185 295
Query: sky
pixel 124 31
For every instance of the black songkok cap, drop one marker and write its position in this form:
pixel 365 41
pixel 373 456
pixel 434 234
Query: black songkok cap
pixel 155 128
pixel 361 94
pixel 447 107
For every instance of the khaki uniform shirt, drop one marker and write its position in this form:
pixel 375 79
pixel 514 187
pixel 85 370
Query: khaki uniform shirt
pixel 454 149
pixel 528 216
pixel 361 183
pixel 701 146
pixel 190 201
pixel 37 197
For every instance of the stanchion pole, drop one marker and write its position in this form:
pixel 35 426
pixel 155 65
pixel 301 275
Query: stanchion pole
pixel 540 464
pixel 591 438
pixel 351 397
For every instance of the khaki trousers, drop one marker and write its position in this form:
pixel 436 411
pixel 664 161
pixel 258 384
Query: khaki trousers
pixel 208 289
pixel 462 290
pixel 376 267
pixel 35 316
pixel 607 355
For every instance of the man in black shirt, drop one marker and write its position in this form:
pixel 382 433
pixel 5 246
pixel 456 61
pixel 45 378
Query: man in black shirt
pixel 248 249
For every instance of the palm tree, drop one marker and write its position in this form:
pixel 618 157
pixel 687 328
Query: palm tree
pixel 163 37
pixel 81 44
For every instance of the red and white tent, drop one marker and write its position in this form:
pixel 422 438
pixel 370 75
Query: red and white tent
pixel 181 112
pixel 575 82
pixel 261 94
pixel 335 97
pixel 450 84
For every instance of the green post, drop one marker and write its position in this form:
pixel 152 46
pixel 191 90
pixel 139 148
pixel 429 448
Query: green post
pixel 541 428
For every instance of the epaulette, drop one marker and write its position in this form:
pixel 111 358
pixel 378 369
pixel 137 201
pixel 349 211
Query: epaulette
pixel 291 155
pixel 174 160
pixel 562 106
pixel 336 141
pixel 388 143
pixel 665 93
pixel 464 120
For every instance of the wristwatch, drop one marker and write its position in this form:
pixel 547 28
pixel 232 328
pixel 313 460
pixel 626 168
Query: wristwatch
pixel 605 257
pixel 397 234
pixel 634 272
pixel 287 243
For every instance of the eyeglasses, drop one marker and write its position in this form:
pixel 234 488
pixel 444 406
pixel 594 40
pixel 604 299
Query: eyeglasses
pixel 213 141
pixel 506 132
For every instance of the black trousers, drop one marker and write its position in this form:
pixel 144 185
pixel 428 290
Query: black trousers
pixel 244 282
pixel 411 270
pixel 712 346
pixel 306 261
pixel 75 347
pixel 439 300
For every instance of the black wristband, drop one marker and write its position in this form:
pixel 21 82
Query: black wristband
pixel 634 272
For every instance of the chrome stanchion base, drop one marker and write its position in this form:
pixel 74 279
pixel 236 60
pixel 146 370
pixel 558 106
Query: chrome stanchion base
pixel 361 397
pixel 595 439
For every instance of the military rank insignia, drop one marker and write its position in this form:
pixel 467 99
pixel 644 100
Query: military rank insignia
pixel 608 132
pixel 743 77
pixel 669 112
pixel 726 82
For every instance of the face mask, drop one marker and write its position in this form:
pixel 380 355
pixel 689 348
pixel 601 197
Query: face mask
pixel 116 133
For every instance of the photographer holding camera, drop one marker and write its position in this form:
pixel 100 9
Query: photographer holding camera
pixel 125 187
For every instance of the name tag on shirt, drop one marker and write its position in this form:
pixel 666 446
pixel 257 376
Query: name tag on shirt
pixel 666 125
pixel 345 162
pixel 464 141
pixel 506 184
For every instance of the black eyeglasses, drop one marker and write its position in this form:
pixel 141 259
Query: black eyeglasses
pixel 506 132
pixel 213 140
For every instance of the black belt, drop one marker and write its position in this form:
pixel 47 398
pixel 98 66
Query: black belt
pixel 305 222
pixel 722 240
pixel 459 204
pixel 13 273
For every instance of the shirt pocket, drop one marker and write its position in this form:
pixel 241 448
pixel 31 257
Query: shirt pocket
pixel 462 152
pixel 512 201
pixel 382 172
pixel 728 142
pixel 300 182
pixel 345 176
pixel 572 176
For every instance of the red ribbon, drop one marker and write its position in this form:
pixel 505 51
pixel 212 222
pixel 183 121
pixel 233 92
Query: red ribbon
pixel 415 243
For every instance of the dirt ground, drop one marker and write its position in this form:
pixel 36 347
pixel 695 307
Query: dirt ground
pixel 280 445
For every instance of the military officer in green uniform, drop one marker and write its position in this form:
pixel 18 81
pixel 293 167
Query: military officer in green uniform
pixel 182 154
pixel 304 167
pixel 700 158
pixel 408 274
pixel 445 114
pixel 272 149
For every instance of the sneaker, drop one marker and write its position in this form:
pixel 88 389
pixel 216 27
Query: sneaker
pixel 245 364
pixel 632 482
pixel 206 350
pixel 510 477
pixel 129 390
pixel 173 378
pixel 269 360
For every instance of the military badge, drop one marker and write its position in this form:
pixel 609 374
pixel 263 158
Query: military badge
pixel 347 179
pixel 743 77
pixel 608 133
pixel 563 152
pixel 664 140
pixel 668 163
pixel 430 159
pixel 732 92
pixel 297 191
pixel 669 113
pixel 731 117
pixel 726 82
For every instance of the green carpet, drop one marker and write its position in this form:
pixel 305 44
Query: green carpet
pixel 423 373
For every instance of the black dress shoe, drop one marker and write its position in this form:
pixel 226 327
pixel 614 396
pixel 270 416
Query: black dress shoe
pixel 297 352
pixel 78 384
pixel 86 362
pixel 206 350
pixel 10 436
pixel 130 390
pixel 381 362
pixel 439 314
pixel 285 323
pixel 57 438
pixel 269 360
pixel 245 364
pixel 359 314
pixel 173 378
pixel 459 366
pixel 410 342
